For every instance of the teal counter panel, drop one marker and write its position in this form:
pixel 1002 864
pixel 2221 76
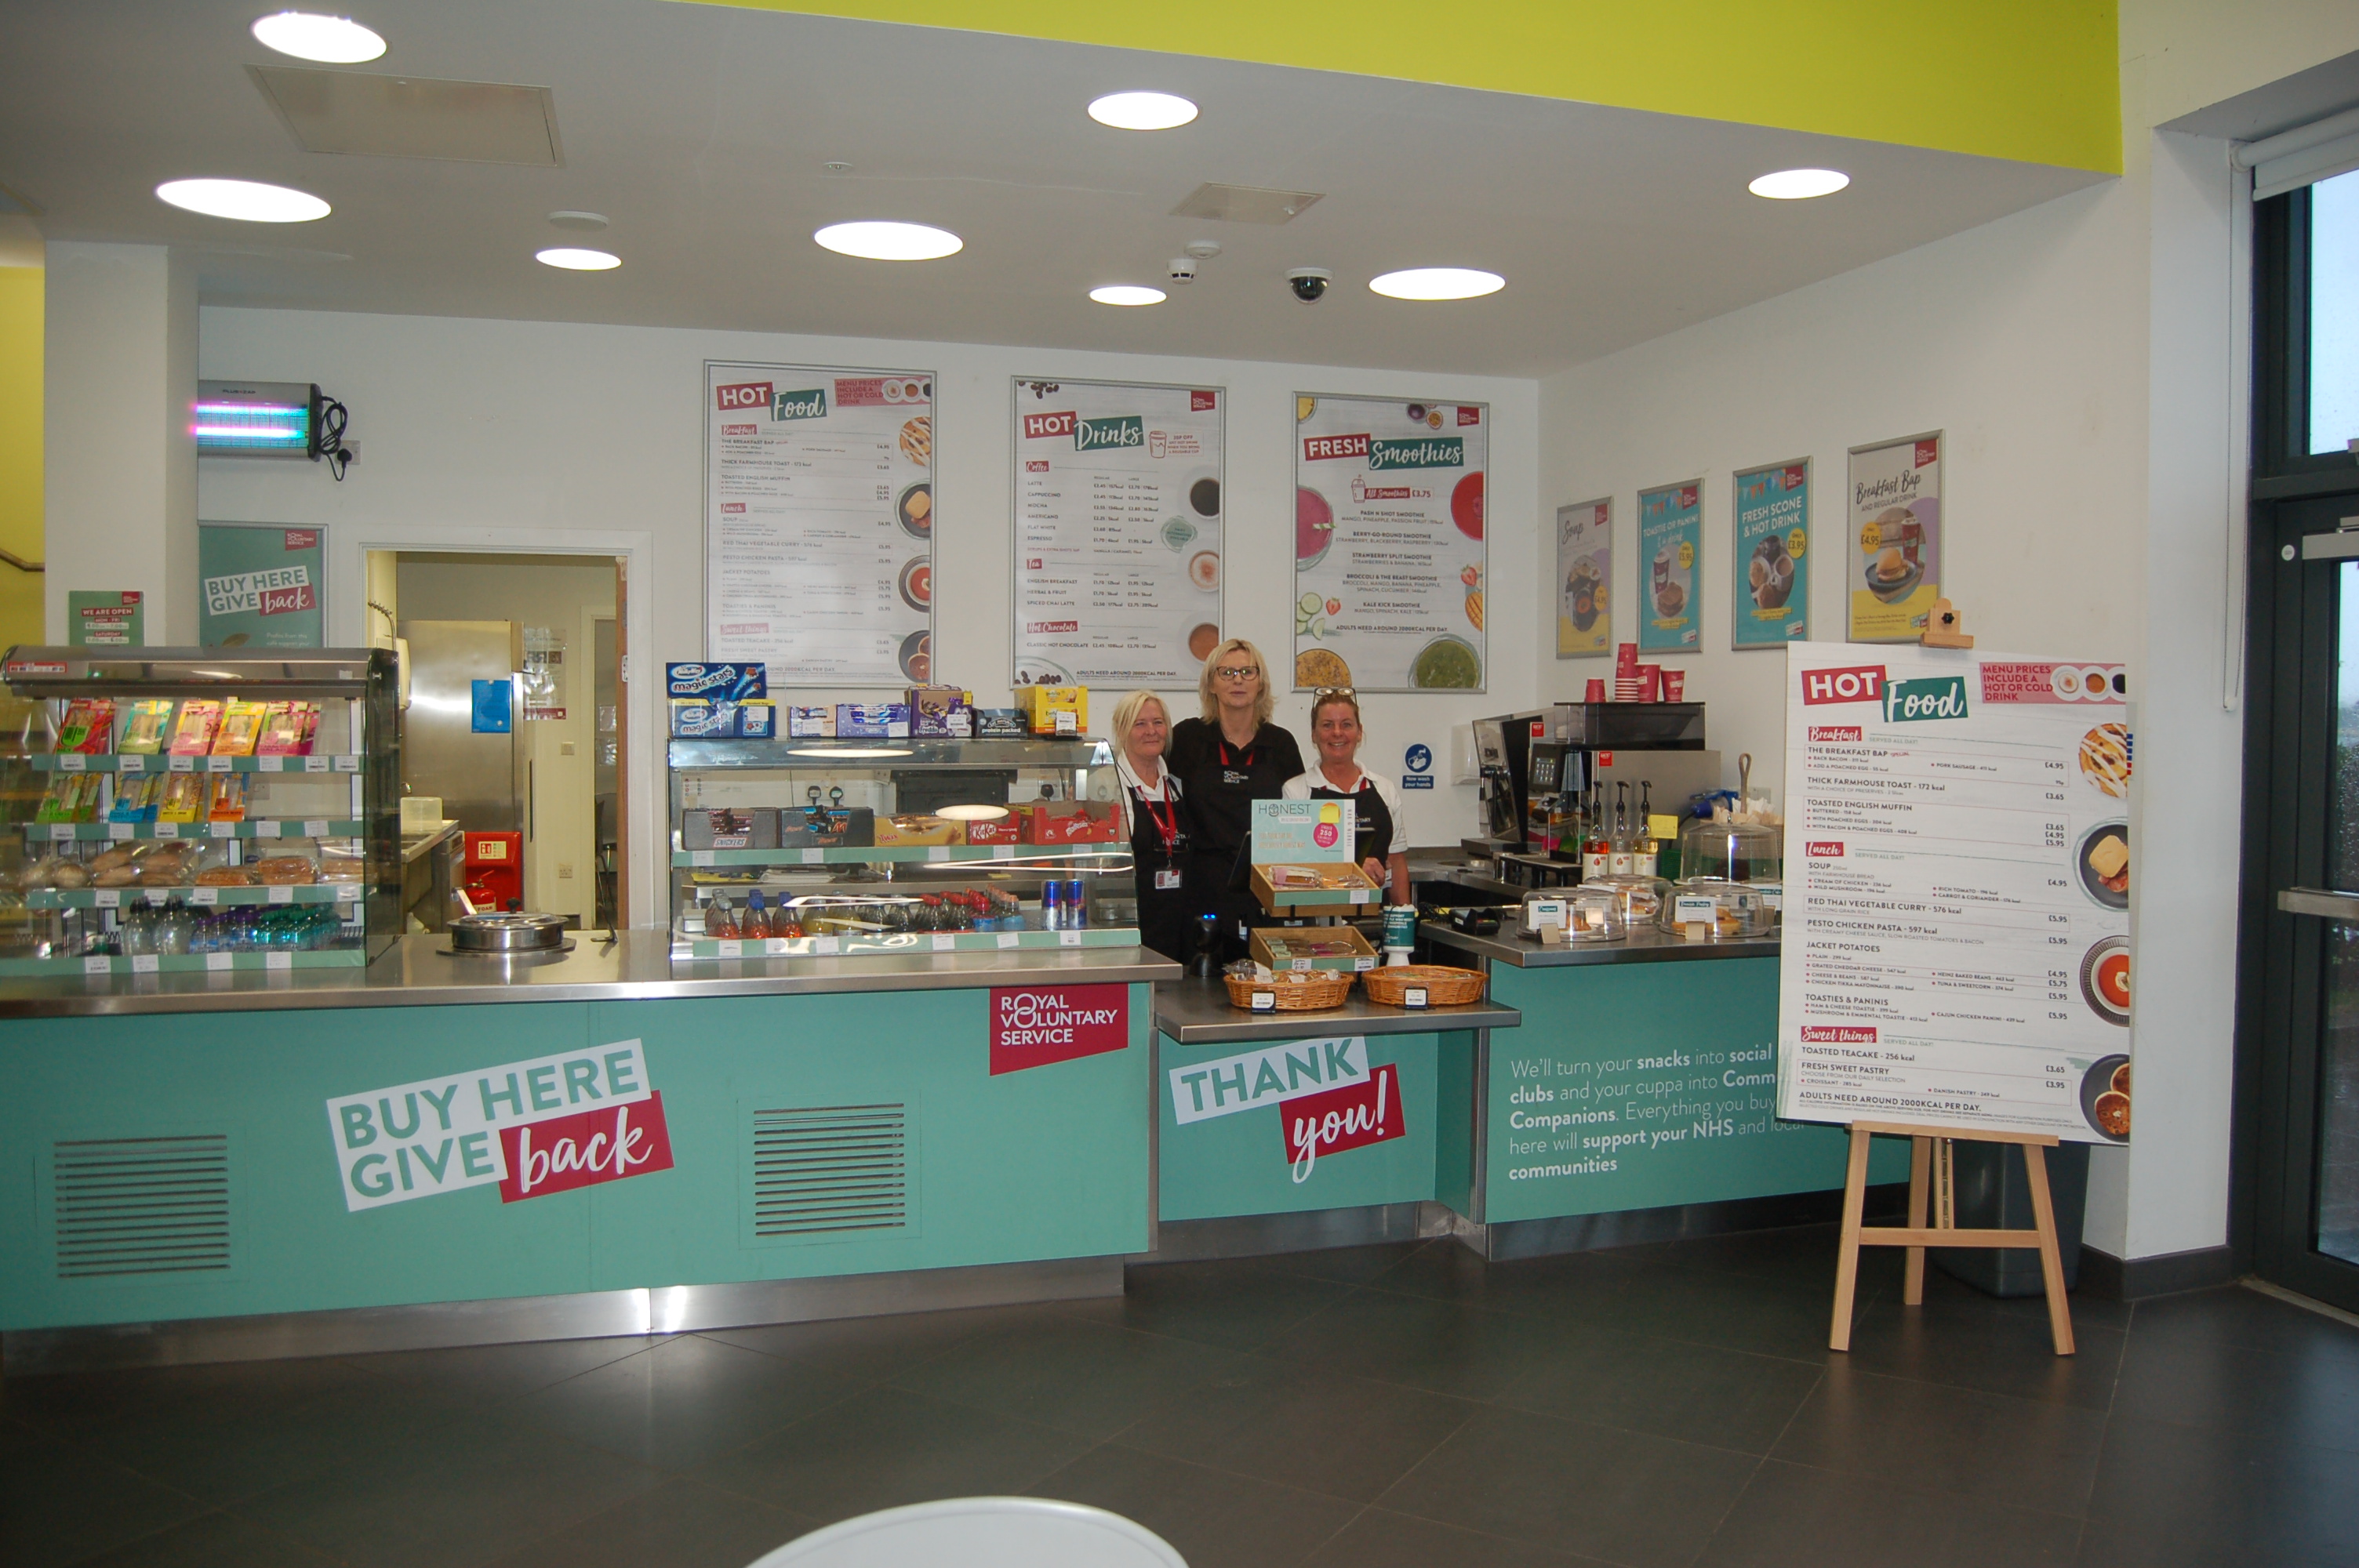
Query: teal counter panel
pixel 1644 1086
pixel 891 1146
pixel 1242 1162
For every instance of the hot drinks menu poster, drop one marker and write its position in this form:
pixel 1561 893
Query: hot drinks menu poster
pixel 1957 881
pixel 1671 556
pixel 1119 501
pixel 1584 565
pixel 1389 562
pixel 819 521
pixel 1895 511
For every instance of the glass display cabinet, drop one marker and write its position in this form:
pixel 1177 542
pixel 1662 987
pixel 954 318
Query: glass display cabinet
pixel 186 809
pixel 793 847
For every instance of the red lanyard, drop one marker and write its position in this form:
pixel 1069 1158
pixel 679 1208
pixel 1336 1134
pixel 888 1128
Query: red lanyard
pixel 1167 821
pixel 1248 756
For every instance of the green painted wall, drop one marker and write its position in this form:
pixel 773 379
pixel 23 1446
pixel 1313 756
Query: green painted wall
pixel 2032 79
pixel 21 525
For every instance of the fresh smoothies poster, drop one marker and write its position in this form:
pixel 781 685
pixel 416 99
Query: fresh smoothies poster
pixel 1895 518
pixel 1389 561
pixel 1670 548
pixel 1770 604
pixel 1584 565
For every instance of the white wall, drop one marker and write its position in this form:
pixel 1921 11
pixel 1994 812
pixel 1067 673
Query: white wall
pixel 532 436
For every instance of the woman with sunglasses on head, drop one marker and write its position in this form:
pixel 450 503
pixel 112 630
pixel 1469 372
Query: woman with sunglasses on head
pixel 1151 813
pixel 1227 760
pixel 1382 828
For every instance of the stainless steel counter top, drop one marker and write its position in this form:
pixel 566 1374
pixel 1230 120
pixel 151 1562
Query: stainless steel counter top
pixel 416 844
pixel 638 967
pixel 1199 1012
pixel 1643 947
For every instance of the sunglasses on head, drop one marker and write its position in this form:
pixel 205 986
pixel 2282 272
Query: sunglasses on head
pixel 1334 691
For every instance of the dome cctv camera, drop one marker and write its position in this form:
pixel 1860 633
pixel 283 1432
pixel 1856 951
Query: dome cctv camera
pixel 1182 270
pixel 1309 283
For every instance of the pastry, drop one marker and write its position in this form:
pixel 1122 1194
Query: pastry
pixel 918 439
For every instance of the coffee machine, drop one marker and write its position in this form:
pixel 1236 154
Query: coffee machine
pixel 1503 751
pixel 1571 746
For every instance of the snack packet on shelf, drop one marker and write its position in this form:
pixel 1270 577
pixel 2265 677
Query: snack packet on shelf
pixel 194 735
pixel 241 728
pixel 145 727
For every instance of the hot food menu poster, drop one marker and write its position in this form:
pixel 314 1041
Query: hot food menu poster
pixel 819 521
pixel 1389 563
pixel 1956 948
pixel 1118 510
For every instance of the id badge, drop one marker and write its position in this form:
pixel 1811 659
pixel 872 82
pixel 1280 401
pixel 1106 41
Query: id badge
pixel 1166 881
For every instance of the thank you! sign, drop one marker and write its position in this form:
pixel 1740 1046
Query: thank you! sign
pixel 1326 1096
pixel 1034 1026
pixel 546 1125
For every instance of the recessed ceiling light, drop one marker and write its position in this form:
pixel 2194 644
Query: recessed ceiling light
pixel 1438 282
pixel 878 241
pixel 1800 184
pixel 1126 294
pixel 1142 111
pixel 573 259
pixel 331 41
pixel 242 200
pixel 566 219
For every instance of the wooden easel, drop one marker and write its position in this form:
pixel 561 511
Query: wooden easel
pixel 1930 1163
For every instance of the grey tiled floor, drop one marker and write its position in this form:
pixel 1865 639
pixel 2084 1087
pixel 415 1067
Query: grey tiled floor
pixel 1378 1407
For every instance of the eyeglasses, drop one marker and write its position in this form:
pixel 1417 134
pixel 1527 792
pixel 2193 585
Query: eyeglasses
pixel 1237 672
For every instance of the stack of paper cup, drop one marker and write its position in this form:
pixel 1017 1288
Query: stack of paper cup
pixel 1625 673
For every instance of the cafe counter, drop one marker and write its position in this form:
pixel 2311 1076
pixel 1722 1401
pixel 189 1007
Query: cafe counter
pixel 438 1149
pixel 1638 1101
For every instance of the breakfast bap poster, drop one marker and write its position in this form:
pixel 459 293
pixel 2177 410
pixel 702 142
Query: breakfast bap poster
pixel 1670 548
pixel 1896 520
pixel 1389 562
pixel 1772 599
pixel 1584 565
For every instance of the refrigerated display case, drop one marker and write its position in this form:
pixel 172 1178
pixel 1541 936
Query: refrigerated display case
pixel 858 846
pixel 190 809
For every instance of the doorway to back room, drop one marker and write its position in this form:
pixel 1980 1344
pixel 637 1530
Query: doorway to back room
pixel 512 732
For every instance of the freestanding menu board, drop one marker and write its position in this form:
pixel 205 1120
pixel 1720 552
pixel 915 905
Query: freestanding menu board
pixel 1896 520
pixel 819 521
pixel 1119 498
pixel 1388 555
pixel 1956 947
pixel 1584 565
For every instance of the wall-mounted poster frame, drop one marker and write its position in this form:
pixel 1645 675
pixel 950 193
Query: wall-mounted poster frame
pixel 1584 573
pixel 261 585
pixel 1769 600
pixel 1391 570
pixel 1118 492
pixel 1670 567
pixel 819 521
pixel 1894 512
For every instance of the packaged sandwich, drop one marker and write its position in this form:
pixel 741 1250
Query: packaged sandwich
pixel 194 735
pixel 241 728
pixel 145 725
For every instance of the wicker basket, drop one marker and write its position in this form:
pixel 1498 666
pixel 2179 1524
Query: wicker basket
pixel 1301 992
pixel 1444 985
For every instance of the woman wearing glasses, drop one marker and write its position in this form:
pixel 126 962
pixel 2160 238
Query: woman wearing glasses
pixel 1158 837
pixel 1227 760
pixel 1382 828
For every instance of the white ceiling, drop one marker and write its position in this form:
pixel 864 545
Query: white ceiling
pixel 701 131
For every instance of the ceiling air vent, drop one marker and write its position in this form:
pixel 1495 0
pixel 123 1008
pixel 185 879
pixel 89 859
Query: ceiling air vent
pixel 413 116
pixel 140 1206
pixel 830 1172
pixel 1243 203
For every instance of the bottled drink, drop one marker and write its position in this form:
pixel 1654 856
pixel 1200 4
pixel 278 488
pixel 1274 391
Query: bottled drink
pixel 176 930
pixel 756 924
pixel 719 924
pixel 1623 841
pixel 138 934
pixel 1597 849
pixel 1644 858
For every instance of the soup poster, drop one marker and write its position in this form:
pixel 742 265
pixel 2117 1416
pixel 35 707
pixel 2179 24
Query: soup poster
pixel 1670 548
pixel 1895 570
pixel 1389 562
pixel 1771 601
pixel 1584 565
pixel 1118 504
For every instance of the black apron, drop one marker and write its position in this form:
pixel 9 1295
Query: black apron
pixel 1222 782
pixel 1158 849
pixel 1371 820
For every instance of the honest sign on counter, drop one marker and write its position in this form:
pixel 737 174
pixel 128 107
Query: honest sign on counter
pixel 1957 891
pixel 544 1126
